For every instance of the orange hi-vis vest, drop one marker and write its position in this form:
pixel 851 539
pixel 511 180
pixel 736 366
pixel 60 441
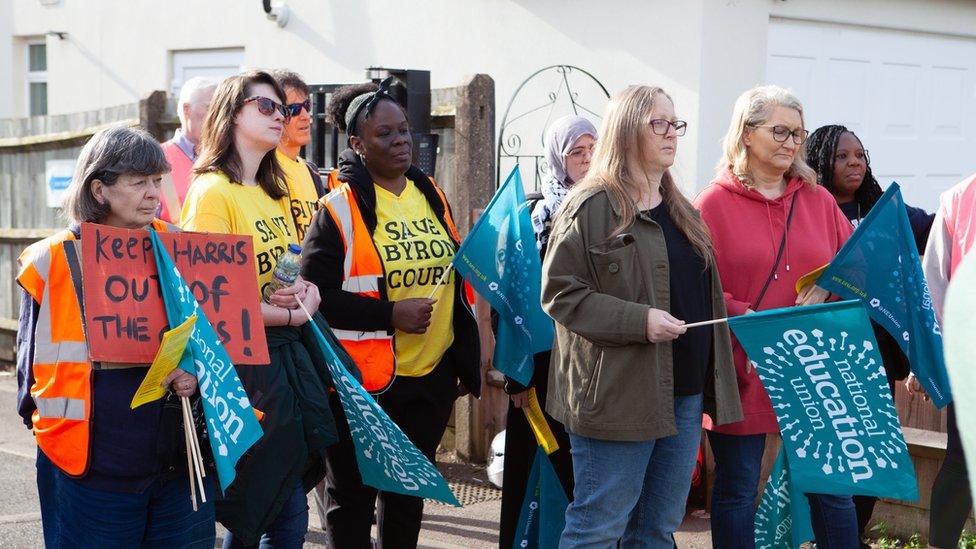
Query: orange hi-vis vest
pixel 62 389
pixel 362 269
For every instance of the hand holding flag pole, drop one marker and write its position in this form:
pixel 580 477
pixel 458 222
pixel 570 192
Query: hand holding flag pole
pixel 450 267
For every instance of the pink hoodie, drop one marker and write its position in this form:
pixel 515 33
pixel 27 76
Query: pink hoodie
pixel 746 230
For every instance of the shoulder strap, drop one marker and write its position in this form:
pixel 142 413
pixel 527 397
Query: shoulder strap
pixel 779 256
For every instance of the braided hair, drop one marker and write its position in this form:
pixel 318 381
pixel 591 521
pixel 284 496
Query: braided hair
pixel 821 149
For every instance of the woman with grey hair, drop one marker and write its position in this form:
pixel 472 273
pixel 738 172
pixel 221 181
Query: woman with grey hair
pixel 569 143
pixel 118 479
pixel 784 225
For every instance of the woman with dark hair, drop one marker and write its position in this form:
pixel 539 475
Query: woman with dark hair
pixel 843 167
pixel 240 189
pixel 118 479
pixel 377 250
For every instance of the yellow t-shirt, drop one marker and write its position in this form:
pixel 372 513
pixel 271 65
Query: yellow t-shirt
pixel 415 250
pixel 301 190
pixel 215 205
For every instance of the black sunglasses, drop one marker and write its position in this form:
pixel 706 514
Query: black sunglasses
pixel 295 109
pixel 267 106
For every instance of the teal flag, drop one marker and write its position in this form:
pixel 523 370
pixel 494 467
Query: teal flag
pixel 500 260
pixel 387 459
pixel 821 368
pixel 543 514
pixel 231 423
pixel 879 264
pixel 783 518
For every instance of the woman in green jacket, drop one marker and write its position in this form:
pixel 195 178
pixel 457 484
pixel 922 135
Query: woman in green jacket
pixel 629 263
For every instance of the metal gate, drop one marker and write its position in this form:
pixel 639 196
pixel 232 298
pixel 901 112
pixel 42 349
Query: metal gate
pixel 547 94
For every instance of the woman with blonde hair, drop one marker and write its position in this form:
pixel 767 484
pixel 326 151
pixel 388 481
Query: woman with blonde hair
pixel 629 262
pixel 793 226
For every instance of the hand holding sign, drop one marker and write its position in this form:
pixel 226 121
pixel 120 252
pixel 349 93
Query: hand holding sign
pixel 167 359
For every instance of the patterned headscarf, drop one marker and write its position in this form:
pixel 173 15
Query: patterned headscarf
pixel 560 138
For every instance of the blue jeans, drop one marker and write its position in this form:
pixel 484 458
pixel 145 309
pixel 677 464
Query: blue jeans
pixel 633 491
pixel 738 460
pixel 74 515
pixel 289 527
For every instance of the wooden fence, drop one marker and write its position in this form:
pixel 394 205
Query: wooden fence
pixel 462 116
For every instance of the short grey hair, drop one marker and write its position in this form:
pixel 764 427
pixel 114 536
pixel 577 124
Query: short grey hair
pixel 189 91
pixel 110 153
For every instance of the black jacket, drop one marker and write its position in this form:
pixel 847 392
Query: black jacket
pixel 322 264
pixel 292 392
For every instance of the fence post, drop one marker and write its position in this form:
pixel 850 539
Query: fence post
pixel 152 112
pixel 476 421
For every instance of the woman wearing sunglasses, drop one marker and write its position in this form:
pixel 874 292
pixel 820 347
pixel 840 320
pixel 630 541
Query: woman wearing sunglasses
pixel 305 186
pixel 240 189
pixel 377 250
pixel 770 224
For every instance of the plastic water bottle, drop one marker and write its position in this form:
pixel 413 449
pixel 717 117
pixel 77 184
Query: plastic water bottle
pixel 286 271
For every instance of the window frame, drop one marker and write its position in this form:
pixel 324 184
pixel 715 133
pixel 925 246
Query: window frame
pixel 34 77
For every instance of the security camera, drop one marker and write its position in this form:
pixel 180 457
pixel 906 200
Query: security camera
pixel 276 11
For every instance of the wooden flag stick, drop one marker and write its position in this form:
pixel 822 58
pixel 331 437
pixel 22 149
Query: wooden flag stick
pixel 189 468
pixel 302 305
pixel 706 322
pixel 450 267
pixel 194 446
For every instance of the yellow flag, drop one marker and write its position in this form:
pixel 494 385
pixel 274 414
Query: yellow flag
pixel 167 359
pixel 810 278
pixel 540 427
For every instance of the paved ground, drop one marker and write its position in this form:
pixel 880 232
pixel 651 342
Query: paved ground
pixel 470 527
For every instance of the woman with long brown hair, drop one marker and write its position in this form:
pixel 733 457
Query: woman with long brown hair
pixel 630 263
pixel 240 189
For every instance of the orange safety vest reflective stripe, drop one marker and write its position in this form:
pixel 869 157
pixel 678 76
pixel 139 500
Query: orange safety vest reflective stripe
pixel 62 389
pixel 362 269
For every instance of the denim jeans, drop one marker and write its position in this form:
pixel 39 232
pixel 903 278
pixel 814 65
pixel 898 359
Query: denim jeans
pixel 288 529
pixel 633 491
pixel 75 515
pixel 738 460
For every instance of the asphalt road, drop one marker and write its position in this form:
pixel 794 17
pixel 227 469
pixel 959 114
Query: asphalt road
pixel 473 526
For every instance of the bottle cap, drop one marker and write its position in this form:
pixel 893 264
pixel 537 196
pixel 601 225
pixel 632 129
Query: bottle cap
pixel 295 249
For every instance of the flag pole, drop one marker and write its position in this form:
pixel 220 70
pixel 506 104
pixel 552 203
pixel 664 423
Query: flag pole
pixel 706 322
pixel 190 464
pixel 450 267
pixel 193 446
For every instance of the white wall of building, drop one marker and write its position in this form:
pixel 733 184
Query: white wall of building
pixel 704 52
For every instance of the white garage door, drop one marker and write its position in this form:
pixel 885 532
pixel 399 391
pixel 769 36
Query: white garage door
pixel 909 96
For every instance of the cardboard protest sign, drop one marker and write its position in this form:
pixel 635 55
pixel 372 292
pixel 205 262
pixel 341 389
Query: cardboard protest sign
pixel 123 305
